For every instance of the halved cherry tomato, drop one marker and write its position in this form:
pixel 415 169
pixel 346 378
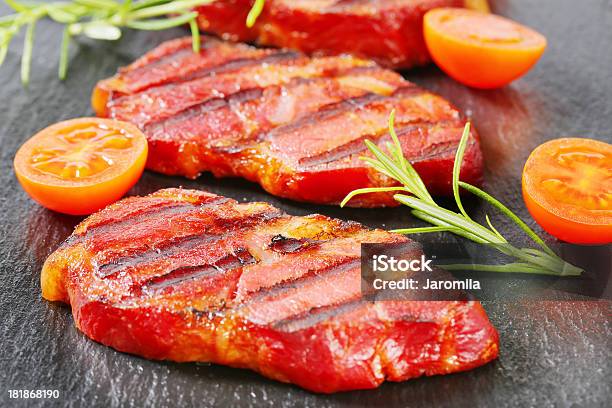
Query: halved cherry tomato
pixel 567 187
pixel 478 49
pixel 81 165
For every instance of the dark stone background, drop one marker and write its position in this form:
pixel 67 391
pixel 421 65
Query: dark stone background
pixel 552 353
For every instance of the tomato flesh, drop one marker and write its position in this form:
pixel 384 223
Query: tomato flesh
pixel 478 49
pixel 81 165
pixel 567 187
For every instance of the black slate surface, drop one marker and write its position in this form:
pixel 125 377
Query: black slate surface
pixel 555 354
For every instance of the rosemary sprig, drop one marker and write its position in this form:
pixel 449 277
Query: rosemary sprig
pixel 100 20
pixel 394 165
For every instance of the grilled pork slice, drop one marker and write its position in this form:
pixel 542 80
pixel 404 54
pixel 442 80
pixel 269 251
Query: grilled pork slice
pixel 187 275
pixel 387 31
pixel 172 61
pixel 294 124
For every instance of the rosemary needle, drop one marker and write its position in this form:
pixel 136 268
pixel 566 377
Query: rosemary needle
pixel 254 12
pixel 413 194
pixel 28 45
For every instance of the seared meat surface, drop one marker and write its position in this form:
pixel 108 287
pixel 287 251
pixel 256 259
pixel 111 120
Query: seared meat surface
pixel 294 124
pixel 387 31
pixel 187 275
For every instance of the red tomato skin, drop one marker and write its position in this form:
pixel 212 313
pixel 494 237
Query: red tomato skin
pixel 567 230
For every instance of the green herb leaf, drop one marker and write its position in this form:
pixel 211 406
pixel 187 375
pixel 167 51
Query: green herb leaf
pixel 26 58
pixel 166 8
pixel 99 4
pixel 195 34
pixel 7 21
pixel 418 185
pixel 255 12
pixel 423 230
pixel 449 217
pixel 99 30
pixel 138 5
pixel 62 16
pixel 126 5
pixel 162 23
pixel 457 168
pixel 370 190
pixel 457 231
pixel 63 61
pixel 3 52
pixel 16 6
pixel 493 228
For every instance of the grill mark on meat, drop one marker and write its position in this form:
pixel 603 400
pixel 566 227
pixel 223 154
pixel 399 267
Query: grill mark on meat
pixel 240 97
pixel 284 57
pixel 347 105
pixel 177 54
pixel 262 294
pixel 184 49
pixel 178 276
pixel 173 247
pixel 246 95
pixel 317 315
pixel 436 150
pixel 154 68
pixel 160 129
pixel 357 145
pixel 339 4
pixel 281 244
pixel 181 46
pixel 298 296
pixel 275 57
pixel 165 210
pixel 177 245
pixel 177 208
pixel 181 64
pixel 157 129
pixel 409 90
pixel 374 69
pixel 348 149
pixel 139 109
pixel 208 105
pixel 322 114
